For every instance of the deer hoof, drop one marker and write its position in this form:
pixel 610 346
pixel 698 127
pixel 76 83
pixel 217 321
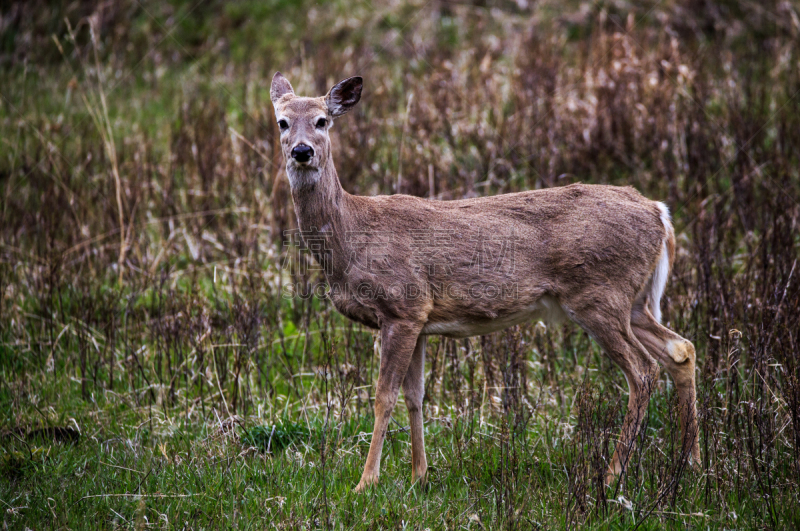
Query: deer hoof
pixel 612 474
pixel 366 482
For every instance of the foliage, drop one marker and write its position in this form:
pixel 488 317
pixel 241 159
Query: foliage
pixel 275 437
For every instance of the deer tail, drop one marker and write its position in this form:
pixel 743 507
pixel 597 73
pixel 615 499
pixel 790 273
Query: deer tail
pixel 659 279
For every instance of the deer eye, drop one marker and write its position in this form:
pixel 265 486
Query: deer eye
pixel 322 122
pixel 283 125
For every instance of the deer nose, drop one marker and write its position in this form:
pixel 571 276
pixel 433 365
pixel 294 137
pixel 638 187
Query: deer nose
pixel 302 153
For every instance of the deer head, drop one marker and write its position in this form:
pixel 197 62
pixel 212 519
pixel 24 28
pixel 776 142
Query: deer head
pixel 304 124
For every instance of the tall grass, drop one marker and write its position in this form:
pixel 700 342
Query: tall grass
pixel 143 257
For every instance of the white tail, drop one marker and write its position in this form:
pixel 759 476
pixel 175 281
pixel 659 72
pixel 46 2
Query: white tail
pixel 659 280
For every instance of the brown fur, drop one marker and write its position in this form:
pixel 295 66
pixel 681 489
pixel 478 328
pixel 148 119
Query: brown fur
pixel 584 251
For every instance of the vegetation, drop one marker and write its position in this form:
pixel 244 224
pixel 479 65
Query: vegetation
pixel 153 374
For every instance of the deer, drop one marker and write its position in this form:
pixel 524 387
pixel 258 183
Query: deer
pixel 410 267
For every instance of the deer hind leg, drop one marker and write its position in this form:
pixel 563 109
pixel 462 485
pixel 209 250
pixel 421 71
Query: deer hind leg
pixel 398 342
pixel 677 355
pixel 640 369
pixel 414 392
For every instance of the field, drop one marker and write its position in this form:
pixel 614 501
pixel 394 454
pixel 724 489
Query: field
pixel 154 374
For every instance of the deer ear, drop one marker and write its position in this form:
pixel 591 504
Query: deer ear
pixel 344 95
pixel 280 87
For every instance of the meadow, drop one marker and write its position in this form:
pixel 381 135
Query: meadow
pixel 154 374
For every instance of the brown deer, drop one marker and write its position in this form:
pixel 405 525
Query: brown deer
pixel 410 267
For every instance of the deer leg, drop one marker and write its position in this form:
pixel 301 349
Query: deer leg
pixel 677 355
pixel 620 344
pixel 641 371
pixel 640 384
pixel 414 392
pixel 397 348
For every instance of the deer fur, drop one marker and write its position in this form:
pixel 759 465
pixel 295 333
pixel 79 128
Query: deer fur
pixel 596 255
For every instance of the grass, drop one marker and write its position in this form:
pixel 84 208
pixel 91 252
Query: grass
pixel 153 322
pixel 168 470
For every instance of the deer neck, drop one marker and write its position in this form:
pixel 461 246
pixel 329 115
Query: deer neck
pixel 318 199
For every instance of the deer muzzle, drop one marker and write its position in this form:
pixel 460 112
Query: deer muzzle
pixel 302 153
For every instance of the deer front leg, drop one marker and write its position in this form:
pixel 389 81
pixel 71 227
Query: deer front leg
pixel 397 348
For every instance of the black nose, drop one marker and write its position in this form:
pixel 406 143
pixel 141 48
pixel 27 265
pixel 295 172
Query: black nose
pixel 302 153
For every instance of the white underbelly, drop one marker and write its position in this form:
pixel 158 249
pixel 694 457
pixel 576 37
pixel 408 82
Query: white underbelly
pixel 546 309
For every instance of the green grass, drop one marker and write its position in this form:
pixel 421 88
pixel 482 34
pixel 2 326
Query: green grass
pixel 191 465
pixel 177 470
